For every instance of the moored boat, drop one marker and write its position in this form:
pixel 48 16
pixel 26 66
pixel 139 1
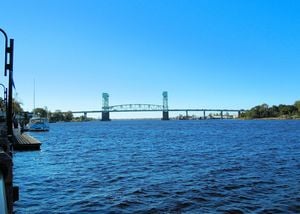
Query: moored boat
pixel 38 124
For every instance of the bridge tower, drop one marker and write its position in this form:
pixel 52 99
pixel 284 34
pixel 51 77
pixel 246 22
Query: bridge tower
pixel 105 107
pixel 165 112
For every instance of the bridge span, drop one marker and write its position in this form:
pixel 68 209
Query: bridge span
pixel 107 109
pixel 204 111
pixel 157 110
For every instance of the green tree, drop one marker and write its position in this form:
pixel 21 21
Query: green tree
pixel 17 106
pixel 274 111
pixel 40 112
pixel 297 105
pixel 263 111
pixel 57 116
pixel 68 116
pixel 287 110
pixel 260 111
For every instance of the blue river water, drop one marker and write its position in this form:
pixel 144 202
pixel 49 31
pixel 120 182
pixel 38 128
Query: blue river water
pixel 153 166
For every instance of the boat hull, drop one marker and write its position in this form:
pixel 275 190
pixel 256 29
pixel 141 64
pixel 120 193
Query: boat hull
pixel 38 125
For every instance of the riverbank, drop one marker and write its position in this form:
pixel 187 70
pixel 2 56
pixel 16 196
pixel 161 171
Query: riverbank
pixel 271 118
pixel 279 111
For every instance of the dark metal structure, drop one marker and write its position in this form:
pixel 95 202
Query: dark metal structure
pixel 8 67
pixel 105 107
pixel 135 107
pixel 165 115
pixel 8 193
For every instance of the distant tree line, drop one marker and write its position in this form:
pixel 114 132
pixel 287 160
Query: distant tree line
pixel 280 111
pixel 58 115
pixel 41 112
pixel 54 116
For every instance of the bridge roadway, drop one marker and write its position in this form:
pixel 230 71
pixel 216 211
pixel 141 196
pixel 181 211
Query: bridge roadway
pixel 158 110
pixel 153 108
pixel 106 110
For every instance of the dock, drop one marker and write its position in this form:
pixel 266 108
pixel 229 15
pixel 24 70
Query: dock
pixel 24 142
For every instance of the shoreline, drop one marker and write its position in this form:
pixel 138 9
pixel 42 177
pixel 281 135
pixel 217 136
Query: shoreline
pixel 269 118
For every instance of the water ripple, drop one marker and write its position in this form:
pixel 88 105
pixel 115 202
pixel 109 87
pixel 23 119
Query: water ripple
pixel 162 167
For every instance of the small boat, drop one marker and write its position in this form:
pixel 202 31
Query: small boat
pixel 38 124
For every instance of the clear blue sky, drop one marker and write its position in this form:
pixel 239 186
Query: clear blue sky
pixel 205 53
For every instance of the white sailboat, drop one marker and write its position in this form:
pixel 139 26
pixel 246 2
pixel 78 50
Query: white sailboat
pixel 37 123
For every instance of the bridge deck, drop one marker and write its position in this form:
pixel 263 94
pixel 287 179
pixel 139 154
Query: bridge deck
pixel 159 110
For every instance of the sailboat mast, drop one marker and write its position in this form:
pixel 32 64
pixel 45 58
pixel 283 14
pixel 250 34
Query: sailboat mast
pixel 33 94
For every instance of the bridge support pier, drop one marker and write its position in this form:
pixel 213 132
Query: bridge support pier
pixel 222 115
pixel 204 117
pixel 239 114
pixel 105 116
pixel 165 115
pixel 105 107
pixel 85 115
